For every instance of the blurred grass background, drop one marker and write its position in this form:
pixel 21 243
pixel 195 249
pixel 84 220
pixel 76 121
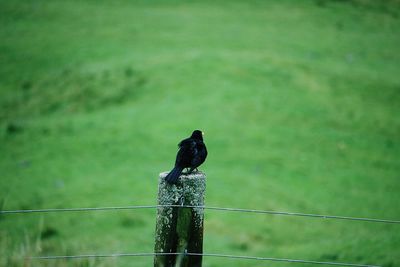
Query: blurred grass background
pixel 299 100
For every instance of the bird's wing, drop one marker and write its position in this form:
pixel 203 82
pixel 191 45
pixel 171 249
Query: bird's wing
pixel 187 150
pixel 200 154
pixel 188 142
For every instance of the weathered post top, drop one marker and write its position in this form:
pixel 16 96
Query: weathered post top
pixel 180 229
pixel 191 186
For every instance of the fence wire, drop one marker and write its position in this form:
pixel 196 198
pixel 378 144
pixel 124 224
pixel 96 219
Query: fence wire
pixel 284 213
pixel 233 257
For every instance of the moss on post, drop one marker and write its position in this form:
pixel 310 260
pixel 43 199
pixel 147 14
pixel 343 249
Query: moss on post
pixel 179 229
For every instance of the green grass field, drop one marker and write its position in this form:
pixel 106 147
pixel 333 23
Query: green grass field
pixel 299 101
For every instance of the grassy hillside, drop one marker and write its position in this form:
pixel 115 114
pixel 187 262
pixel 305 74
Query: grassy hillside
pixel 299 101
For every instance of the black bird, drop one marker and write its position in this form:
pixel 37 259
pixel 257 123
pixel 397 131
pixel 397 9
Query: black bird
pixel 192 153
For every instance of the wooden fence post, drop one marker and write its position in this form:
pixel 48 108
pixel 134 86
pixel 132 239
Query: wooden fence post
pixel 180 230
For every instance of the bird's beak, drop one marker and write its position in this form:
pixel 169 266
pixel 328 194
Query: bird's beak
pixel 202 133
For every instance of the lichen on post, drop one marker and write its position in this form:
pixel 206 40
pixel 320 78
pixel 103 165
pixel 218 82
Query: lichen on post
pixel 180 229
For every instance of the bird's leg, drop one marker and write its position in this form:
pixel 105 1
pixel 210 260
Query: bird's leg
pixel 186 171
pixel 190 171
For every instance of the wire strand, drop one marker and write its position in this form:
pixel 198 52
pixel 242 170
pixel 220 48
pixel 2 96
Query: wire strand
pixel 305 215
pixel 199 254
pixel 79 209
pixel 284 213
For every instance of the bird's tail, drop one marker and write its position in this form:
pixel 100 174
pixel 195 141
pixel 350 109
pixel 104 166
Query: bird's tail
pixel 173 175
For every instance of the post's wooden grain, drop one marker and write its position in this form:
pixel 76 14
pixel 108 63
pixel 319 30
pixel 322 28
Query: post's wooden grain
pixel 179 229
